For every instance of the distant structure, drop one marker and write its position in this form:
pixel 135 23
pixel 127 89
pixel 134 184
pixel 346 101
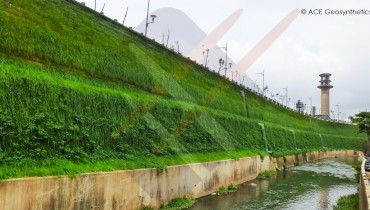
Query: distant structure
pixel 325 87
pixel 313 110
pixel 299 106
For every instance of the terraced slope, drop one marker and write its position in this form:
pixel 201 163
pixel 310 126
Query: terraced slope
pixel 76 87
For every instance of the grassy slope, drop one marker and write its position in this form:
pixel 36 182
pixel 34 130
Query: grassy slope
pixel 78 88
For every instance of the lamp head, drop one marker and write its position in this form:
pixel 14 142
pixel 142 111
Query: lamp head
pixel 153 17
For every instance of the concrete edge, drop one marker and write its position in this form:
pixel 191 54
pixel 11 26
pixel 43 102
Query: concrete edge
pixel 134 189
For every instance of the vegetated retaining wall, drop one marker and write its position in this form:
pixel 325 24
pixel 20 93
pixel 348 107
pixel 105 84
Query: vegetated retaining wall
pixel 364 188
pixel 134 189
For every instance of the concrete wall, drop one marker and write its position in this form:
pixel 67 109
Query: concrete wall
pixel 133 189
pixel 364 188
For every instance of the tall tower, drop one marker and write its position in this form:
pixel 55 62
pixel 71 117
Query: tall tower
pixel 325 96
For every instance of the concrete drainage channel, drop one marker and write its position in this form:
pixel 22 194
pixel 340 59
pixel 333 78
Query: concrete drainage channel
pixel 134 189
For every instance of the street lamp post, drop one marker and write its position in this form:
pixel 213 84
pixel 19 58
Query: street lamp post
pixel 263 81
pixel 286 95
pixel 147 19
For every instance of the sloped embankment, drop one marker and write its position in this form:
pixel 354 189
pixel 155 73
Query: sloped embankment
pixel 77 87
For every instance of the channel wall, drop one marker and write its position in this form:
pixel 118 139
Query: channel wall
pixel 134 189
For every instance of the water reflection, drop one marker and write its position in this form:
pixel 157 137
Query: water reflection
pixel 309 186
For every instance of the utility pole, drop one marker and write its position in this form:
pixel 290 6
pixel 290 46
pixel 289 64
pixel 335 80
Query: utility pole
pixel 123 22
pixel 95 6
pixel 147 18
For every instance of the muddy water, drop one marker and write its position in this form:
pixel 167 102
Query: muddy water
pixel 309 186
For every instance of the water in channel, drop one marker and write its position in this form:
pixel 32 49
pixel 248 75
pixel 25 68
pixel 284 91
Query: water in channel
pixel 309 186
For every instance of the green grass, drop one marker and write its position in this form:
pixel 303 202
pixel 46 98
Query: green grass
pixel 90 92
pixel 349 202
pixel 58 166
pixel 178 204
pixel 114 54
pixel 227 190
pixel 148 208
pixel 266 174
pixel 357 167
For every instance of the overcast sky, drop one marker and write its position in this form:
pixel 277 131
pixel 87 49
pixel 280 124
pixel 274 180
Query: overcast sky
pixel 312 44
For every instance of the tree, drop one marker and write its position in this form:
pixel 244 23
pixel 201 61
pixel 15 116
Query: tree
pixel 362 119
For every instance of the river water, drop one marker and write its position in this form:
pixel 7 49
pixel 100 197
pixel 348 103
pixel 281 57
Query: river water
pixel 309 186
